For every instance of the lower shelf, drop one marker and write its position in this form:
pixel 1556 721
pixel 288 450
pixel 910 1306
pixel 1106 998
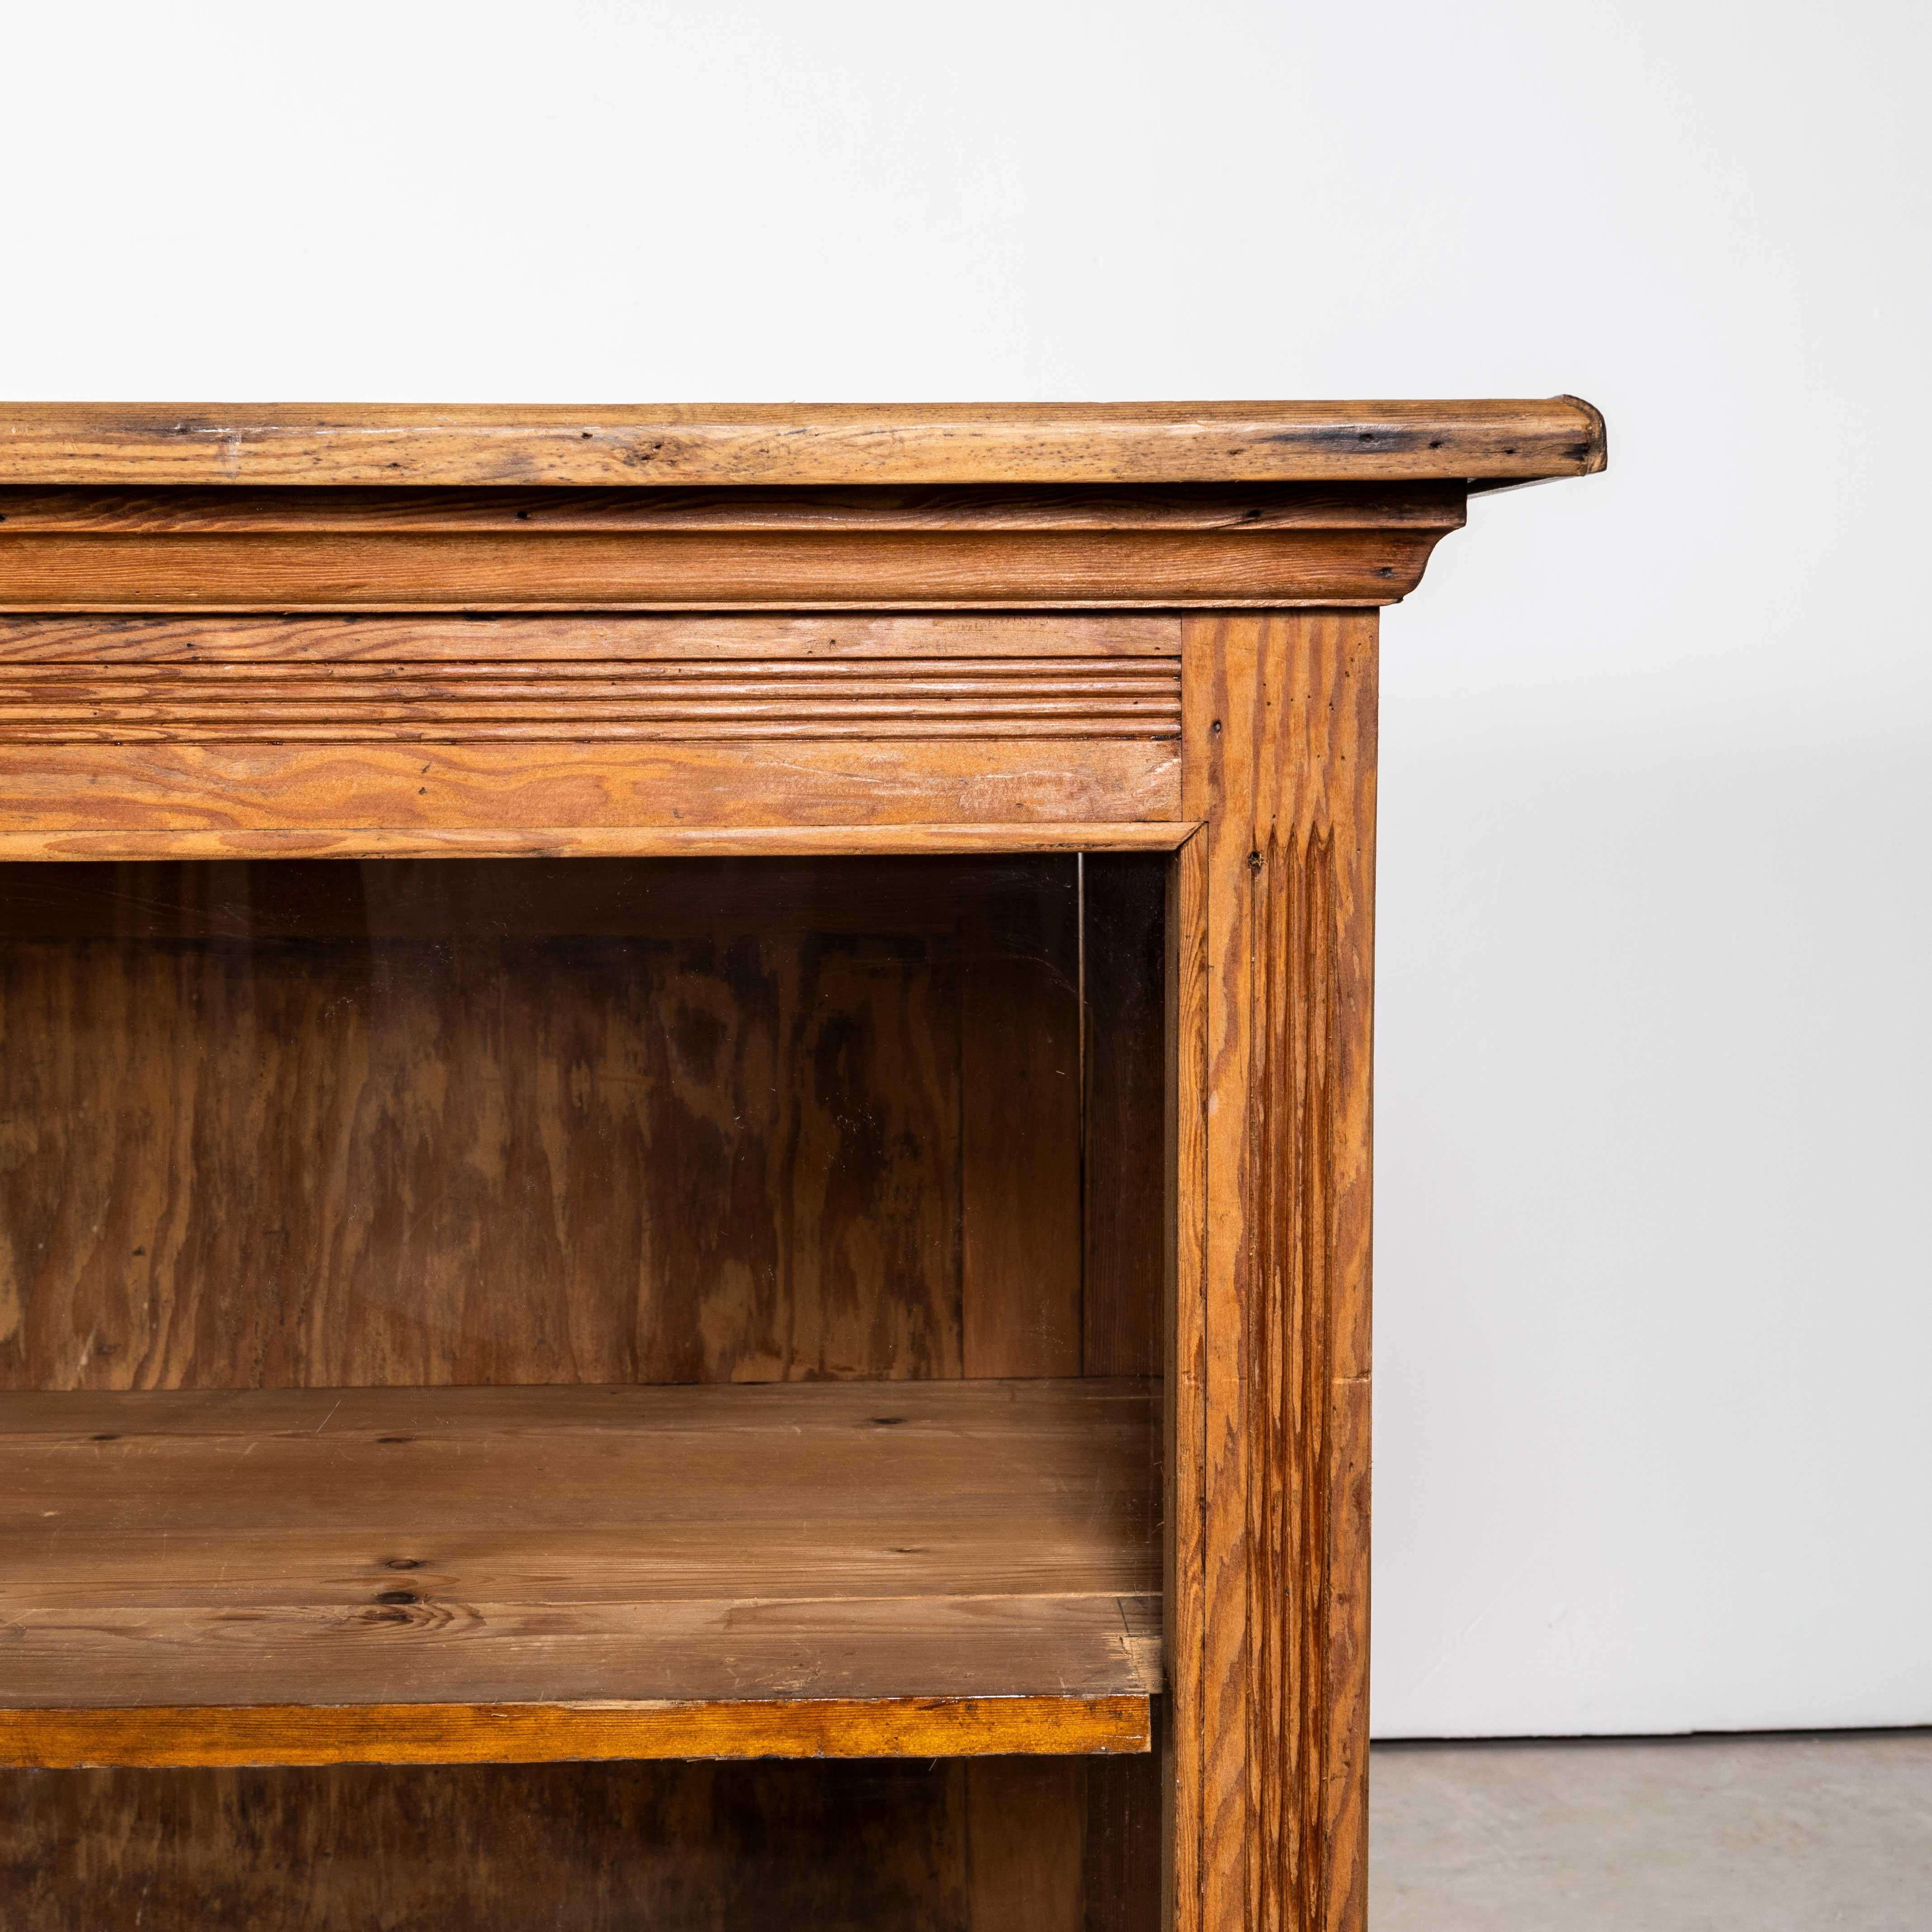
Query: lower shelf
pixel 520 1575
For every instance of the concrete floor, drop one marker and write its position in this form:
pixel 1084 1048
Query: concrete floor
pixel 1777 1833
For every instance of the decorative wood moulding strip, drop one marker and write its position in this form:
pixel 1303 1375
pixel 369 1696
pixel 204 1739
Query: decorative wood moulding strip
pixel 596 636
pixel 228 511
pixel 961 697
pixel 306 550
pixel 150 443
pixel 621 842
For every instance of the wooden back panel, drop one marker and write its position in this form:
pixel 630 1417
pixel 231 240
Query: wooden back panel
pixel 424 1122
pixel 988 1845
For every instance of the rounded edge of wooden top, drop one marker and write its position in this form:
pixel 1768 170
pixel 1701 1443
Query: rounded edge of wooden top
pixel 813 445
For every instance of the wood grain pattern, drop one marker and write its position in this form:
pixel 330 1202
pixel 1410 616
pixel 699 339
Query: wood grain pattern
pixel 1371 562
pixel 400 633
pixel 1026 1837
pixel 965 1542
pixel 1020 1133
pixel 322 901
pixel 534 516
pixel 1125 1851
pixel 428 550
pixel 575 637
pixel 509 788
pixel 553 1667
pixel 565 842
pixel 416 1123
pixel 598 636
pixel 1045 1850
pixel 1281 739
pixel 172 443
pixel 773 698
pixel 592 1121
pixel 237 1735
pixel 610 1847
pixel 721 1847
pixel 1125 1056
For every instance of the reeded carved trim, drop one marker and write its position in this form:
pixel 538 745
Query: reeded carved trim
pixel 479 702
pixel 382 636
pixel 1295 1037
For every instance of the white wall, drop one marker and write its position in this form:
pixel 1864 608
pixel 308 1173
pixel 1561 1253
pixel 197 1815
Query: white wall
pixel 1654 1437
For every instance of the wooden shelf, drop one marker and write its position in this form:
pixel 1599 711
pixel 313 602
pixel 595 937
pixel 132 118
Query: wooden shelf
pixel 516 1575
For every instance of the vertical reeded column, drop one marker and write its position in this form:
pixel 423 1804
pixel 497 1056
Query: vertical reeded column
pixel 1280 734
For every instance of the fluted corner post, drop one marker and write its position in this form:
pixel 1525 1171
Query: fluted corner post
pixel 1279 764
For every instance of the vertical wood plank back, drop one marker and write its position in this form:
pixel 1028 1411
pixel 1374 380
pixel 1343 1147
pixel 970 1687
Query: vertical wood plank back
pixel 1026 1833
pixel 1125 1850
pixel 679 1149
pixel 1280 731
pixel 689 1847
pixel 1125 1072
pixel 1019 1132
